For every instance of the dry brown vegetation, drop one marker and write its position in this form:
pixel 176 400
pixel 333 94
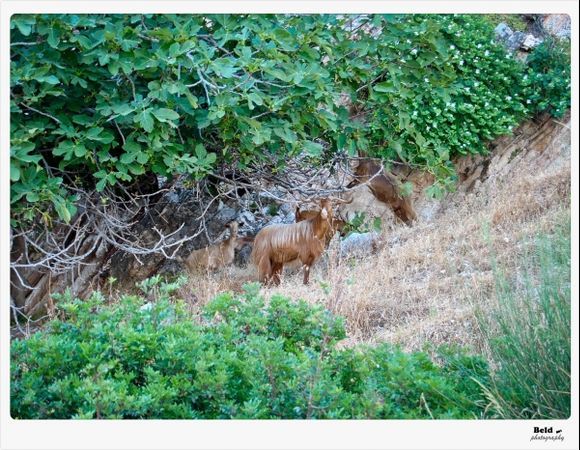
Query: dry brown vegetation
pixel 427 282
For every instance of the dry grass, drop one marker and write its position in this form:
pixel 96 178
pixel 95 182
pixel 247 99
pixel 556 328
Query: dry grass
pixel 423 287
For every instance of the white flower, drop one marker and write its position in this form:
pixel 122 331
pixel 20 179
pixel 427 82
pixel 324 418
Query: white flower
pixel 452 47
pixel 403 60
pixel 477 70
pixel 408 41
pixel 508 97
pixel 414 51
pixel 479 45
pixel 414 113
pixel 416 34
pixel 426 80
pixel 467 89
pixel 461 62
pixel 528 101
pixel 435 125
pixel 428 127
pixel 486 53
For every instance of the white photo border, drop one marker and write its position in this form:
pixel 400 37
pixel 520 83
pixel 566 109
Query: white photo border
pixel 284 434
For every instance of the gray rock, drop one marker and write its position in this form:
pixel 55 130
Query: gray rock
pixel 531 42
pixel 557 25
pixel 246 219
pixel 173 197
pixel 503 31
pixel 359 244
pixel 287 208
pixel 226 214
pixel 276 220
pixel 515 41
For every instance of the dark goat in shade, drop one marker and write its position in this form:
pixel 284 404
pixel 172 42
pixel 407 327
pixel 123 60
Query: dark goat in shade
pixel 385 188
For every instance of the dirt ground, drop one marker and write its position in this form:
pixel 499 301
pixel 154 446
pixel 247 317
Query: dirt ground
pixel 425 284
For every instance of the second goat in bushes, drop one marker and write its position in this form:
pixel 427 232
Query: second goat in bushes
pixel 214 256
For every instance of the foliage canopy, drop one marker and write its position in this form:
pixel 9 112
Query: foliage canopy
pixel 101 100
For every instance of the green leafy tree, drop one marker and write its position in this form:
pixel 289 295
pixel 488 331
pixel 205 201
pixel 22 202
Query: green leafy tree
pixel 99 101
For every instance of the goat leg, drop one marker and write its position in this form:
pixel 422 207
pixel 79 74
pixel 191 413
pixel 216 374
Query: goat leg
pixel 276 272
pixel 307 264
pixel 264 270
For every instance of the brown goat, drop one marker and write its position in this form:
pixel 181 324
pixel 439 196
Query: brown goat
pixel 214 256
pixel 385 188
pixel 278 244
pixel 336 224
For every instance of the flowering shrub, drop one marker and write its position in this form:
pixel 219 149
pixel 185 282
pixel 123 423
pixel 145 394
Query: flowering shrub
pixel 448 87
pixel 242 358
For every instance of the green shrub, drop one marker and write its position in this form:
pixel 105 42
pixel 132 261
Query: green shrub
pixel 361 224
pixel 550 76
pixel 529 334
pixel 242 358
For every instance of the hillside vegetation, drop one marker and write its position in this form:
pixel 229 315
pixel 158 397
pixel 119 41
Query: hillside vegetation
pixel 116 118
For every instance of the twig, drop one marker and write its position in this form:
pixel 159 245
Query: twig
pixel 27 44
pixel 120 132
pixel 40 112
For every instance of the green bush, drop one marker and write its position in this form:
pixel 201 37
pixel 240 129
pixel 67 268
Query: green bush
pixel 529 334
pixel 242 358
pixel 550 76
pixel 101 100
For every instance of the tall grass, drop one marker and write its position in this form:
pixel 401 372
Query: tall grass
pixel 528 334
